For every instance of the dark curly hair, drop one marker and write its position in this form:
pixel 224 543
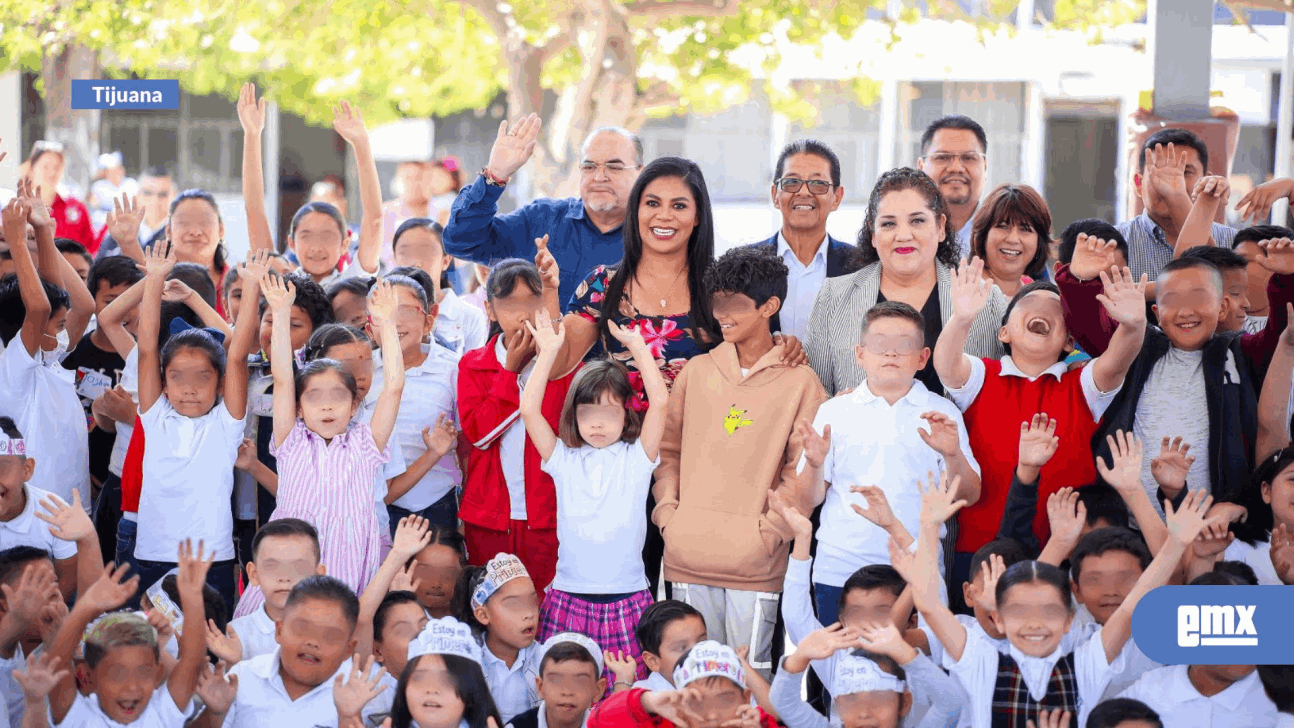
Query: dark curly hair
pixel 897 180
pixel 754 271
pixel 311 299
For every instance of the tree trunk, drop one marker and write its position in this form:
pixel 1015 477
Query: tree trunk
pixel 77 130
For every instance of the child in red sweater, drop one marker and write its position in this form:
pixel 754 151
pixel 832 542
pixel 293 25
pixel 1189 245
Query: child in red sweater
pixel 997 397
pixel 711 691
pixel 509 504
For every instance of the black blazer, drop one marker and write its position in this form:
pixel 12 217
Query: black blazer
pixel 840 261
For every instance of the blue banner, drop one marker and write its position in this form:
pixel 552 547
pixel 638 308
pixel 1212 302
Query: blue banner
pixel 1216 625
pixel 111 95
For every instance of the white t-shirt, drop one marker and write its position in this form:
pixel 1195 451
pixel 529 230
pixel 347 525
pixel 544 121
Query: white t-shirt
pixel 601 516
pixel 263 702
pixel 512 444
pixel 130 383
pixel 390 469
pixel 28 530
pixel 460 324
pixel 430 390
pixel 513 687
pixel 380 706
pixel 160 713
pixel 256 632
pixel 48 412
pixel 1258 557
pixel 188 469
pixel 874 443
pixel 1169 692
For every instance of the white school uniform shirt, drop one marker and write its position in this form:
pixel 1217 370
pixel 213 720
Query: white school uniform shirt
pixel 542 718
pixel 160 713
pixel 48 412
pixel 655 681
pixel 188 469
pixel 28 530
pixel 262 701
pixel 1097 401
pixel 1259 558
pixel 460 324
pixel 256 632
pixel 977 672
pixel 802 285
pixel 430 390
pixel 15 702
pixel 392 468
pixel 130 383
pixel 1137 663
pixel 1169 692
pixel 513 687
pixel 512 444
pixel 379 707
pixel 601 523
pixel 873 442
pixel 1284 720
pixel 352 270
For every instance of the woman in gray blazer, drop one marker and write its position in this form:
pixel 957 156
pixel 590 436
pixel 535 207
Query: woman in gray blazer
pixel 907 250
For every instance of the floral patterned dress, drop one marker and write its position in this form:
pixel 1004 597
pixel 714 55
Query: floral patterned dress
pixel 670 337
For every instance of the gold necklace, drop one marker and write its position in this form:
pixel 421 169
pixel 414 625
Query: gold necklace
pixel 664 306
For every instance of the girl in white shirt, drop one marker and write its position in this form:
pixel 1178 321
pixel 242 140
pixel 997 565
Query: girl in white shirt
pixel 1270 509
pixel 191 406
pixel 601 466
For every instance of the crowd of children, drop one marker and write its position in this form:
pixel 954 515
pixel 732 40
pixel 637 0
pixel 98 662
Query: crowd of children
pixel 329 496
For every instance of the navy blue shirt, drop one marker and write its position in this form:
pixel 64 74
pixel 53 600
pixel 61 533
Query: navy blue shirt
pixel 476 232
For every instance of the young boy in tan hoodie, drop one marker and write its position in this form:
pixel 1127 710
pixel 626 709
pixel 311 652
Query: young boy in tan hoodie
pixel 730 439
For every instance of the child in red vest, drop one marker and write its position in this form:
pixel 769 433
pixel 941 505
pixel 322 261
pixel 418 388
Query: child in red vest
pixel 997 397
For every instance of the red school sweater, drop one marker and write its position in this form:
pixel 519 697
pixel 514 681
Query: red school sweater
pixel 625 710
pixel 993 426
pixel 489 401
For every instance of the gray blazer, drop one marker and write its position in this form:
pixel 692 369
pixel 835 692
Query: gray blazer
pixel 836 324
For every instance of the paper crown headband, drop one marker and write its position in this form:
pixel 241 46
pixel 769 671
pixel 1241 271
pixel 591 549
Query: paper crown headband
pixel 855 674
pixel 12 446
pixel 502 569
pixel 575 638
pixel 446 636
pixel 709 659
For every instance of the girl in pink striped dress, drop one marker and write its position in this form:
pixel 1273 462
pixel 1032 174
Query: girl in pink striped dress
pixel 327 459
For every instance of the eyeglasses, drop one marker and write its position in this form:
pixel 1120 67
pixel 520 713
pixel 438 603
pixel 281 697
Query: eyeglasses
pixel 885 345
pixel 793 185
pixel 611 167
pixel 968 159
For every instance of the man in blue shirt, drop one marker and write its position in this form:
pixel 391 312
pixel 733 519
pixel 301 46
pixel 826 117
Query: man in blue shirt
pixel 583 232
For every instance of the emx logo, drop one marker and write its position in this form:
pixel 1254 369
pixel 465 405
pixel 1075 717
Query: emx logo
pixel 1212 625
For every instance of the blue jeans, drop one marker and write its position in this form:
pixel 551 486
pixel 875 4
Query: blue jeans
pixel 826 599
pixel 442 513
pixel 125 554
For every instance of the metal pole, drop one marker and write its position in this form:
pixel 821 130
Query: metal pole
pixel 1181 45
pixel 1285 119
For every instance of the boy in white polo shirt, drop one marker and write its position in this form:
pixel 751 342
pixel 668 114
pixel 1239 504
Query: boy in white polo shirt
pixel 890 432
pixel 291 686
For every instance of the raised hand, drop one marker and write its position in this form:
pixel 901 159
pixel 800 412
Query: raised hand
pixel 176 291
pixel 217 694
pixel 1050 719
pixel 1282 553
pixel 1066 514
pixel 513 147
pixel 970 289
pixel 905 562
pixel 40 677
pixel 520 348
pixel 780 504
pixel 1091 256
pixel 246 459
pixel 251 111
pixel 1213 186
pixel 631 338
pixel 404 580
pixel 815 446
pixel 993 569
pixel 280 294
pixel 351 695
pixel 14 219
pixel 349 123
pixel 1124 472
pixel 68 522
pixel 125 218
pixel 1186 524
pixel 39 215
pixel 1173 464
pixel 255 268
pixel 162 625
pixel 549 272
pixel 111 590
pixel 1256 206
pixel 35 589
pixel 885 639
pixel 1038 441
pixel 50 619
pixel 383 302
pixel 546 339
pixel 622 665
pixel 115 404
pixel 227 645
pixel 159 260
pixel 1124 299
pixel 938 499
pixel 1276 255
pixel 441 437
pixel 194 565
pixel 747 717
pixel 1166 170
pixel 942 437
pixel 824 643
pixel 412 535
pixel 878 509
